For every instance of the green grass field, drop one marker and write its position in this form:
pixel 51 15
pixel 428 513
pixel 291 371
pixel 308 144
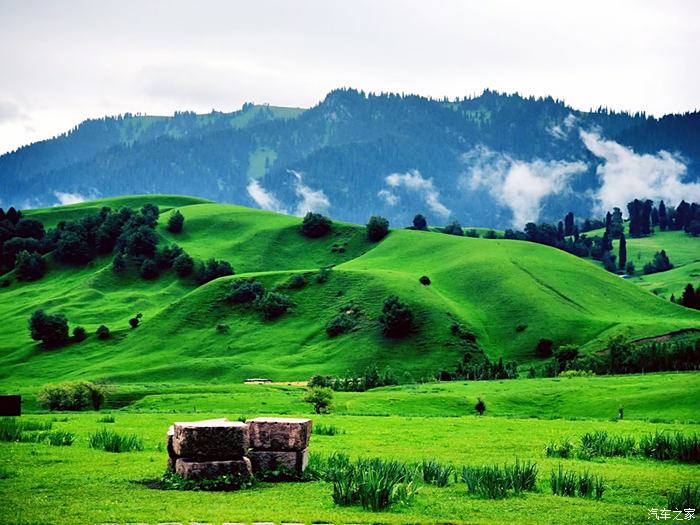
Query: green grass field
pixel 76 484
pixel 177 365
pixel 489 286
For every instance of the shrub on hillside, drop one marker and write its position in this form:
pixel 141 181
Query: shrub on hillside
pixel 183 265
pixel 323 274
pixel 377 228
pixel 480 407
pixel 175 222
pixel 397 318
pixel 660 263
pixel 149 269
pixel 212 269
pixel 119 263
pixel 424 280
pixel 340 324
pixel 79 334
pixel 52 330
pixel 74 395
pixel 296 282
pixel 244 291
pixel 102 332
pixel 544 348
pixel 454 229
pixel 315 225
pixel 273 305
pixel 420 222
pixel 29 266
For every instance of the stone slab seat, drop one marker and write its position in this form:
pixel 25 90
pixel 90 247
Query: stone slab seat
pixel 171 434
pixel 191 469
pixel 212 440
pixel 279 433
pixel 267 460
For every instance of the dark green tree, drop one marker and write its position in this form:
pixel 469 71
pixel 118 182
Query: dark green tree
pixel 377 228
pixel 29 266
pixel 52 330
pixel 420 222
pixel 176 222
pixel 622 262
pixel 569 224
pixel 397 319
pixel 183 265
pixel 315 225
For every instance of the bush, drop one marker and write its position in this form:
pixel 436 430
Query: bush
pixel 119 263
pixel 149 269
pixel 491 234
pixel 321 398
pixel 660 263
pixel 74 395
pixel 544 348
pixel 420 222
pixel 323 274
pixel 629 268
pixel 29 266
pixel 424 280
pixel 397 318
pixel 315 225
pixel 273 304
pixel 565 449
pixel 52 330
pixel 79 334
pixel 480 407
pixel 296 282
pixel 102 332
pixel 455 228
pixel 340 324
pixel 134 321
pixel 377 228
pixel 111 441
pixel 212 269
pixel 183 265
pixel 176 222
pixel 244 291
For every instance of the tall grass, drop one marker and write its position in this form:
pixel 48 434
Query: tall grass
pixel 13 428
pixel 376 484
pixel 111 441
pixel 327 430
pixel 569 483
pixel 660 445
pixel 495 482
pixel 664 446
pixel 108 418
pixel 686 498
pixel 435 473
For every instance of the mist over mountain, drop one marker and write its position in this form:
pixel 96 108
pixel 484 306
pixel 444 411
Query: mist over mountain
pixel 494 160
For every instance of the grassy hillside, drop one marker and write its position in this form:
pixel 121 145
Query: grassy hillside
pixel 682 250
pixel 489 286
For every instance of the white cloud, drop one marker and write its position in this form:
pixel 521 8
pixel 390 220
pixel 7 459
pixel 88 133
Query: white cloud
pixel 72 198
pixel 519 185
pixel 561 131
pixel 387 196
pixel 311 200
pixel 626 175
pixel 414 181
pixel 263 198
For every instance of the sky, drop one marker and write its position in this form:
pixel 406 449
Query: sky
pixel 64 61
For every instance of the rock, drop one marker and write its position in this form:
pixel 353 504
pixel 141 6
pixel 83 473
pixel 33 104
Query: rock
pixel 267 460
pixel 190 469
pixel 171 464
pixel 277 433
pixel 217 439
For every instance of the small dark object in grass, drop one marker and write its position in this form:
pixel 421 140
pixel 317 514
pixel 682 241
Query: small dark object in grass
pixel 520 328
pixel 480 406
pixel 5 283
pixel 425 280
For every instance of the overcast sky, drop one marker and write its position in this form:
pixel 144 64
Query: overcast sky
pixel 64 61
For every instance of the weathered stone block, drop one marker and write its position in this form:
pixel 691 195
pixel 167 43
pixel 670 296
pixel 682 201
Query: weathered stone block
pixel 210 440
pixel 278 433
pixel 267 460
pixel 190 469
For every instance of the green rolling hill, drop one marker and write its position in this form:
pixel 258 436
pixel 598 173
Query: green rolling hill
pixel 189 334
